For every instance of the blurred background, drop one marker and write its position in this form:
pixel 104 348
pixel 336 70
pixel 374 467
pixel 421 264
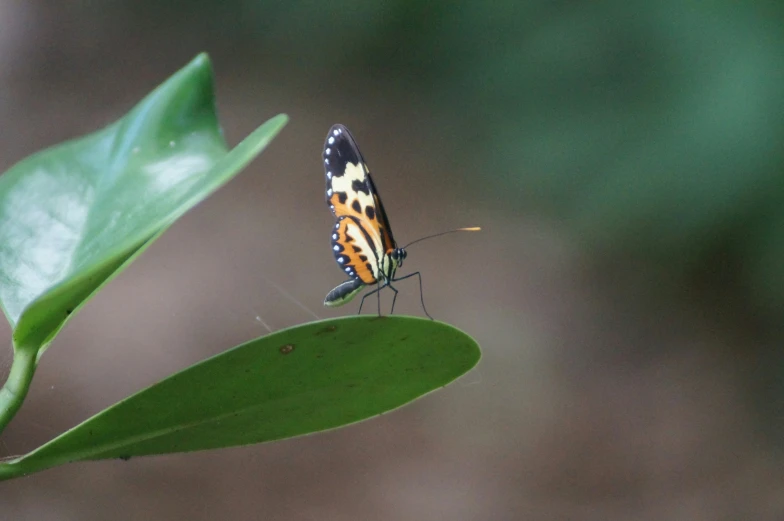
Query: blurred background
pixel 625 162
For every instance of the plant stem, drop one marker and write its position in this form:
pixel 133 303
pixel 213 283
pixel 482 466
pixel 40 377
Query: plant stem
pixel 15 389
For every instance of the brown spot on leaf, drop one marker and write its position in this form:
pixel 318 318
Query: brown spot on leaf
pixel 328 329
pixel 288 348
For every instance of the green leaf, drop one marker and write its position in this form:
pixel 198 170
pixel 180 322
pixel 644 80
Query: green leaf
pixel 73 216
pixel 296 381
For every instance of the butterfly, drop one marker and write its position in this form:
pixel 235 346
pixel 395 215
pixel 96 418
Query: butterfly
pixel 362 240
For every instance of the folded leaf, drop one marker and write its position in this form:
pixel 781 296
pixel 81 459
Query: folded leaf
pixel 72 216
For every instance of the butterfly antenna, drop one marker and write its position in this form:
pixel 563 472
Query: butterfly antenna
pixel 472 229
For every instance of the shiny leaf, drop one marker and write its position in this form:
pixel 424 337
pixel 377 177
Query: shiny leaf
pixel 72 216
pixel 296 381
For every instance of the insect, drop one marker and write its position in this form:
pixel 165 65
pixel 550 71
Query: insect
pixel 362 240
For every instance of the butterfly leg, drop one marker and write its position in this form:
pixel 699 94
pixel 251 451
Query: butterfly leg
pixel 366 295
pixel 393 298
pixel 378 296
pixel 421 294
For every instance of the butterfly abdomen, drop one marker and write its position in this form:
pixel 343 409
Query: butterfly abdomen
pixel 343 293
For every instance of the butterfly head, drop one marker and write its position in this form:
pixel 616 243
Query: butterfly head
pixel 398 256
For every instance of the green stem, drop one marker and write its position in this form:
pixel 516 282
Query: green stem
pixel 15 389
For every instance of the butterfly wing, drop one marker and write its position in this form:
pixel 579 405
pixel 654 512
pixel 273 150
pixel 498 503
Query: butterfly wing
pixel 352 193
pixel 350 187
pixel 354 249
pixel 384 230
pixel 362 239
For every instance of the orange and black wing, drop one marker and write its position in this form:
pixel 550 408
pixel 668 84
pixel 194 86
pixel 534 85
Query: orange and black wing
pixel 382 223
pixel 350 188
pixel 354 250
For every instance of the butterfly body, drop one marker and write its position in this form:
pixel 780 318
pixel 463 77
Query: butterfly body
pixel 362 240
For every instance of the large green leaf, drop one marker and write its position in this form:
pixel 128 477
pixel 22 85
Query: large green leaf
pixel 72 216
pixel 296 381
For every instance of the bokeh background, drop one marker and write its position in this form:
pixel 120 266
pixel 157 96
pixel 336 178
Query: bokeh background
pixel 625 161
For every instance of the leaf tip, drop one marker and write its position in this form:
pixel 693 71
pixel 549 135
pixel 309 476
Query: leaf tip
pixel 281 120
pixel 201 60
